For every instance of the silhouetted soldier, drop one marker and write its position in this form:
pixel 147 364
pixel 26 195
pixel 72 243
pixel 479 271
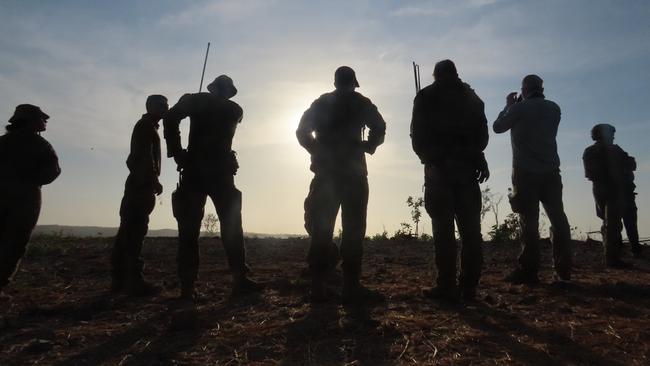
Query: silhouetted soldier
pixel 533 123
pixel 139 199
pixel 611 170
pixel 208 168
pixel 331 131
pixel 27 162
pixel 449 133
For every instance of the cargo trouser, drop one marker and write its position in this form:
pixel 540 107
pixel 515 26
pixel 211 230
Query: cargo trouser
pixel 630 221
pixel 610 208
pixel 450 196
pixel 529 189
pixel 189 203
pixel 328 192
pixel 137 204
pixel 18 215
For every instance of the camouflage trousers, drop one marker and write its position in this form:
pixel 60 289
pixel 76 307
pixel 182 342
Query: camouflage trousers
pixel 18 216
pixel 529 189
pixel 188 203
pixel 328 193
pixel 448 197
pixel 137 204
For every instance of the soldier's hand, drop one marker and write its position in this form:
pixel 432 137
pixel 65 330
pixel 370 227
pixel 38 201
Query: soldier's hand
pixel 233 163
pixel 181 159
pixel 511 99
pixel 368 148
pixel 157 188
pixel 482 174
pixel 482 171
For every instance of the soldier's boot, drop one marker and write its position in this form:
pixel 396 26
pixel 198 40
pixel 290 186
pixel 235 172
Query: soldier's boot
pixel 4 297
pixel 354 292
pixel 443 293
pixel 468 294
pixel 522 277
pixel 138 287
pixel 637 250
pixel 617 263
pixel 187 293
pixel 318 291
pixel 333 256
pixel 117 283
pixel 242 284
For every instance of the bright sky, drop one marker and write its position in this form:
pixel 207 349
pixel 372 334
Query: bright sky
pixel 91 65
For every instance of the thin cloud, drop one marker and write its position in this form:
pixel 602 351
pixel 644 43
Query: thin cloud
pixel 416 11
pixel 233 10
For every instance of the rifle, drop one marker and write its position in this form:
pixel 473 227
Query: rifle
pixel 177 200
pixel 416 76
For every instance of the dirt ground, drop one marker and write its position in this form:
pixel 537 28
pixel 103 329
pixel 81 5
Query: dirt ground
pixel 61 312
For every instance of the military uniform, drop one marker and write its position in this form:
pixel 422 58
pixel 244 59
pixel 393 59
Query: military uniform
pixel 610 169
pixel 208 170
pixel 27 162
pixel 138 202
pixel 449 134
pixel 331 131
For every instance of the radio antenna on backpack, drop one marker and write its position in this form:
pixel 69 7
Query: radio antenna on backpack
pixel 204 63
pixel 416 76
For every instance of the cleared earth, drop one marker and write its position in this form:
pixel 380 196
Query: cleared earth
pixel 61 312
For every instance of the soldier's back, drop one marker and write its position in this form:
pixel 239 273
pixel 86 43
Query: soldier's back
pixel 20 156
pixel 339 117
pixel 213 122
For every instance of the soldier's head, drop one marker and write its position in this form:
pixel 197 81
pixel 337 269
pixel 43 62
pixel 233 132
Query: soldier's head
pixel 29 117
pixel 157 105
pixel 603 132
pixel 345 79
pixel 531 84
pixel 223 86
pixel 445 70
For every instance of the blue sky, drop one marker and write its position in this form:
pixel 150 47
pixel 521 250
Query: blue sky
pixel 91 66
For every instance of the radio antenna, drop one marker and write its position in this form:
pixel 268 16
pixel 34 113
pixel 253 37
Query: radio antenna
pixel 204 63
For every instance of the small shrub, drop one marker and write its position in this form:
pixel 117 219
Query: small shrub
pixel 507 232
pixel 380 236
pixel 405 232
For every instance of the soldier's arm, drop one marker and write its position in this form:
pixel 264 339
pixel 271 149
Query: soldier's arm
pixel 483 136
pixel 171 124
pixel 236 116
pixel 306 128
pixel 141 159
pixel 48 169
pixel 589 174
pixel 629 161
pixel 506 119
pixel 419 128
pixel 376 126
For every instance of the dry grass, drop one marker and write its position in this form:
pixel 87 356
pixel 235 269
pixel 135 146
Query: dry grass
pixel 62 314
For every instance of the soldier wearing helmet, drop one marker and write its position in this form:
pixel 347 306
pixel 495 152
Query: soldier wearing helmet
pixel 611 170
pixel 28 162
pixel 207 166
